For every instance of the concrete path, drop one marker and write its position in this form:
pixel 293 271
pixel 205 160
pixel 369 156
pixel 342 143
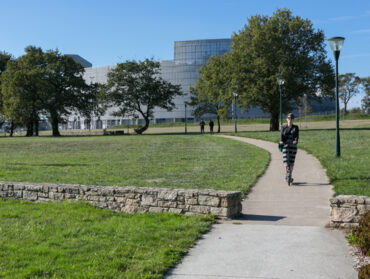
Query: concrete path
pixel 281 233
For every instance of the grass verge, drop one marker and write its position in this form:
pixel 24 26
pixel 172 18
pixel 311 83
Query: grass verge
pixel 172 161
pixel 349 174
pixel 75 240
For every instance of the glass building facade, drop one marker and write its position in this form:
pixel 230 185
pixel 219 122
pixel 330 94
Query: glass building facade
pixel 189 56
pixel 199 51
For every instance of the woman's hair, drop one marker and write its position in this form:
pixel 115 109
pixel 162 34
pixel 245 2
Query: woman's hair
pixel 291 115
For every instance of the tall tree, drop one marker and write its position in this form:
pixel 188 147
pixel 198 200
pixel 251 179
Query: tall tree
pixel 349 86
pixel 64 87
pixel 93 102
pixel 280 45
pixel 212 93
pixel 21 89
pixel 136 88
pixel 42 82
pixel 4 58
pixel 366 99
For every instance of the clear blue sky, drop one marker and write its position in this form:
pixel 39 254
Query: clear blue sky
pixel 111 31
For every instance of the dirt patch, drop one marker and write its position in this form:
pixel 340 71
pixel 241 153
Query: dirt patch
pixel 155 180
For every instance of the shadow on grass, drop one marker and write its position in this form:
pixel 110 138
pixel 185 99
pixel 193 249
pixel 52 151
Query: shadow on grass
pixel 353 178
pixel 190 133
pixel 125 135
pixel 50 165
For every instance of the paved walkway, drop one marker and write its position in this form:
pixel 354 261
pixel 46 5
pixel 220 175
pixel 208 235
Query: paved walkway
pixel 281 233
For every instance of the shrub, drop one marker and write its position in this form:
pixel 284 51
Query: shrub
pixel 364 272
pixel 356 111
pixel 361 234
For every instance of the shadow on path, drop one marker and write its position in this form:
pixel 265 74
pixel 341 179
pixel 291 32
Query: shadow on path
pixel 310 184
pixel 254 217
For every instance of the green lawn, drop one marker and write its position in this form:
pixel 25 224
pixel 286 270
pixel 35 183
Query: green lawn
pixel 349 174
pixel 308 118
pixel 75 240
pixel 174 161
pixel 329 117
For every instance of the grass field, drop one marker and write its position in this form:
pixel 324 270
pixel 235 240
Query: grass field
pixel 243 126
pixel 251 121
pixel 350 173
pixel 174 161
pixel 350 120
pixel 75 240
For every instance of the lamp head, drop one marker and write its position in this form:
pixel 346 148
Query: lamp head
pixel 336 43
pixel 280 80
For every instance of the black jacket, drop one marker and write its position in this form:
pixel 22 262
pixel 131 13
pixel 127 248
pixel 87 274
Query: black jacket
pixel 289 134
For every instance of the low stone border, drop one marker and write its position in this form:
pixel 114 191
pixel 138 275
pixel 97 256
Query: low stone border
pixel 222 204
pixel 346 211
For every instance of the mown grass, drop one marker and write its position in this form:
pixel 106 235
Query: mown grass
pixel 195 124
pixel 266 120
pixel 350 173
pixel 173 161
pixel 75 240
pixel 329 117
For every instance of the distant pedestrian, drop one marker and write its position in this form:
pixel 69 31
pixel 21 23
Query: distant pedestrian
pixel 211 124
pixel 289 139
pixel 202 126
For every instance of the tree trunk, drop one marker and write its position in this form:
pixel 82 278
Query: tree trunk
pixel 219 124
pixel 12 126
pixel 54 124
pixel 140 130
pixel 29 129
pixel 274 121
pixel 36 127
pixel 345 108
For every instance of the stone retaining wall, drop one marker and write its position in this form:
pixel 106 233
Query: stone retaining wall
pixel 222 204
pixel 346 211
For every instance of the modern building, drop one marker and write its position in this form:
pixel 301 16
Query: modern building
pixel 189 56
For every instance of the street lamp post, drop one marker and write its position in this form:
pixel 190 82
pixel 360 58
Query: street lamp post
pixel 235 96
pixel 336 44
pixel 186 130
pixel 281 81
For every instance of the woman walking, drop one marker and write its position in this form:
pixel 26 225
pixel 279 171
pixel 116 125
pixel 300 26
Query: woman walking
pixel 289 138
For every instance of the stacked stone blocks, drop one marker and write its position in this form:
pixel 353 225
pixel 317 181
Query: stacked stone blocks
pixel 222 204
pixel 346 211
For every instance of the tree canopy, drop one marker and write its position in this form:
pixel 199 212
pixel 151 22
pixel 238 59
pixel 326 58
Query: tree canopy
pixel 4 58
pixel 349 86
pixel 212 93
pixel 280 45
pixel 65 87
pixel 46 83
pixel 21 86
pixel 136 88
pixel 366 99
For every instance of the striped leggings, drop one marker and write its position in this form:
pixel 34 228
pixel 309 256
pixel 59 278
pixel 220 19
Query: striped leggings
pixel 289 152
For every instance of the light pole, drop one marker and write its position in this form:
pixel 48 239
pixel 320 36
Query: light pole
pixel 336 44
pixel 281 81
pixel 186 129
pixel 235 96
